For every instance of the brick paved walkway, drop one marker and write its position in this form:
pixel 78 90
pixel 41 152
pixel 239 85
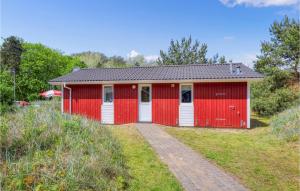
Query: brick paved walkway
pixel 191 169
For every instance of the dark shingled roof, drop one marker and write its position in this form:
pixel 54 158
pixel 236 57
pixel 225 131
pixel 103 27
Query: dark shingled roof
pixel 169 72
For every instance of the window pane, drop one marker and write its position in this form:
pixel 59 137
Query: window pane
pixel 108 94
pixel 145 94
pixel 186 94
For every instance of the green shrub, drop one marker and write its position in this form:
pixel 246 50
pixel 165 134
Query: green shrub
pixel 286 125
pixel 269 103
pixel 273 94
pixel 41 149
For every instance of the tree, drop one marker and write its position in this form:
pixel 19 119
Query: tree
pixel 279 61
pixel 283 49
pixel 115 62
pixel 214 59
pixel 184 52
pixel 92 59
pixel 222 60
pixel 138 60
pixel 202 54
pixel 11 51
pixel 6 89
pixel 38 65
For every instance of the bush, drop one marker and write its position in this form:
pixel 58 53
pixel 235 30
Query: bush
pixel 6 88
pixel 41 149
pixel 269 103
pixel 286 125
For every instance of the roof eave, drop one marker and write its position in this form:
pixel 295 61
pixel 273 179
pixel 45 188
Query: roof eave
pixel 250 79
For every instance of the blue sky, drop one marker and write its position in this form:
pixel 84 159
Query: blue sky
pixel 234 28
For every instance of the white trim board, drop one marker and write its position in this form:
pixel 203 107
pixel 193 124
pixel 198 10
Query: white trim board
pixel 159 81
pixel 248 106
pixel 107 108
pixel 186 110
pixel 145 109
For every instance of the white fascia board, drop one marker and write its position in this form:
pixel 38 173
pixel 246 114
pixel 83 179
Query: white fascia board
pixel 159 81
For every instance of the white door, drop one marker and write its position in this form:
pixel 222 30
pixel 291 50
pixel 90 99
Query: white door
pixel 107 109
pixel 186 106
pixel 145 103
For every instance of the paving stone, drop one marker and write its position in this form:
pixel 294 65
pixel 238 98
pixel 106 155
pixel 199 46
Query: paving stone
pixel 192 170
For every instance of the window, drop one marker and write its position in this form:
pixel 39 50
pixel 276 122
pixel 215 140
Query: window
pixel 186 94
pixel 108 94
pixel 145 94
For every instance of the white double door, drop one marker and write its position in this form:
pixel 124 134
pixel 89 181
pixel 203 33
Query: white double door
pixel 145 103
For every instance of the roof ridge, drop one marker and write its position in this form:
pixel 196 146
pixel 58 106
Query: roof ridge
pixel 157 66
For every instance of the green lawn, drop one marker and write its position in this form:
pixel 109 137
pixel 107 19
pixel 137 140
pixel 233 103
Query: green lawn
pixel 145 168
pixel 256 156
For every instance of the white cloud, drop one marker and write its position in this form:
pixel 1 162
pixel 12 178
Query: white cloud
pixel 228 38
pixel 151 58
pixel 248 59
pixel 260 3
pixel 133 54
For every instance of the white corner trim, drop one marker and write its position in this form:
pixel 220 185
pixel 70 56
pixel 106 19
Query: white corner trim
pixel 248 106
pixel 62 99
pixel 70 98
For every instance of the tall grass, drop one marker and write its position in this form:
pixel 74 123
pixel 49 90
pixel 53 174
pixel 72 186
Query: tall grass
pixel 286 125
pixel 41 149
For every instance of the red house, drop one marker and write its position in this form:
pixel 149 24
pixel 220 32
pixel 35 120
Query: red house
pixel 202 95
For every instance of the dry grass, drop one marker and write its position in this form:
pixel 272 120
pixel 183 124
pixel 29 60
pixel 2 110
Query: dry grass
pixel 44 150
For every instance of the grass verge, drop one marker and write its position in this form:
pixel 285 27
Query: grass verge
pixel 146 170
pixel 259 158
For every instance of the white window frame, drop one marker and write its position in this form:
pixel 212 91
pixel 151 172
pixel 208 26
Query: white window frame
pixel 103 95
pixel 150 93
pixel 192 94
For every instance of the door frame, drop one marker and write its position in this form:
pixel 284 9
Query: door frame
pixel 187 104
pixel 140 101
pixel 107 103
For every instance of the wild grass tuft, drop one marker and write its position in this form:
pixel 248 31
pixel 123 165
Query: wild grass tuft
pixel 41 149
pixel 286 125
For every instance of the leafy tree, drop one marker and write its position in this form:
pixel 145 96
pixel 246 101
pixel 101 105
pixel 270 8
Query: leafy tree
pixel 100 60
pixel 115 62
pixel 6 89
pixel 138 60
pixel 92 59
pixel 283 49
pixel 39 64
pixel 184 52
pixel 11 51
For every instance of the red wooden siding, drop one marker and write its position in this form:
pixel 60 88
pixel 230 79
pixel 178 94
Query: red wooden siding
pixel 125 103
pixel 66 101
pixel 87 100
pixel 220 104
pixel 165 104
